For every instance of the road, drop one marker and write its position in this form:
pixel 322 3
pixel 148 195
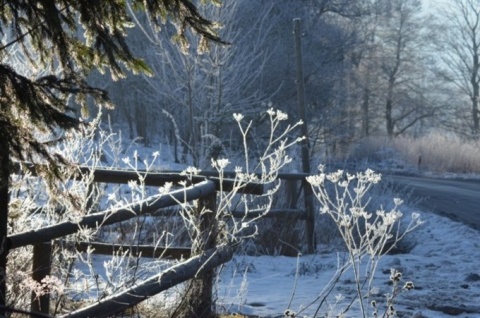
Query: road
pixel 457 199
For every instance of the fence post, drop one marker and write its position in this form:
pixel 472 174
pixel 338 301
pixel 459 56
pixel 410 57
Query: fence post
pixel 41 268
pixel 307 190
pixel 197 301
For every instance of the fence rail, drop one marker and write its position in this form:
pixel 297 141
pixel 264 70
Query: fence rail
pixel 111 216
pixel 134 250
pixel 150 178
pixel 157 283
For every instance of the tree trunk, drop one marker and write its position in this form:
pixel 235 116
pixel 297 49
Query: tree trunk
pixel 191 133
pixel 365 112
pixel 476 93
pixel 4 200
pixel 141 122
pixel 475 115
pixel 388 117
pixel 388 108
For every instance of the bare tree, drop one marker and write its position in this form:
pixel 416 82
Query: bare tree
pixel 329 41
pixel 459 48
pixel 401 39
pixel 198 89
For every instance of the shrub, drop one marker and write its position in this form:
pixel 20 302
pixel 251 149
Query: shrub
pixel 433 152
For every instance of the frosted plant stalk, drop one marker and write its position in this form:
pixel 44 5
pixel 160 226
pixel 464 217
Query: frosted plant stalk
pixel 343 197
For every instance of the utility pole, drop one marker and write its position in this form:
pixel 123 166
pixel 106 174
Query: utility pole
pixel 307 190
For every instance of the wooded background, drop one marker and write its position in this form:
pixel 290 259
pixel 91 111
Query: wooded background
pixel 372 68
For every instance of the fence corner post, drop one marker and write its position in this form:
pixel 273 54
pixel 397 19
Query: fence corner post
pixel 40 269
pixel 198 300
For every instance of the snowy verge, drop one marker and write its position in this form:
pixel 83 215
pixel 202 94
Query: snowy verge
pixel 443 265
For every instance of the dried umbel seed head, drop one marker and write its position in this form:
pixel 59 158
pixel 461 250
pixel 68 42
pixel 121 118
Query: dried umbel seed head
pixel 375 309
pixel 408 286
pixel 395 275
pixel 391 311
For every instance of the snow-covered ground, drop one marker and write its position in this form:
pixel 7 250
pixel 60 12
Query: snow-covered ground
pixel 444 267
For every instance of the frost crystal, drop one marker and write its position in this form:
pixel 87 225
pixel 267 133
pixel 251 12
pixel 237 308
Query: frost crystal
pixel 112 197
pixel 220 164
pixel 334 177
pixel 190 171
pixel 408 285
pixel 316 180
pixel 166 188
pixel 281 115
pixel 238 117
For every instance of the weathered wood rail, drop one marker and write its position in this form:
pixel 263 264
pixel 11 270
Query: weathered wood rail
pixel 134 250
pixel 111 216
pixel 161 178
pixel 168 278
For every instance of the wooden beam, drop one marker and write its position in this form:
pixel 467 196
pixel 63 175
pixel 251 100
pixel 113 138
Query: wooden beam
pixel 307 190
pixel 160 178
pixel 111 216
pixel 135 250
pixel 271 214
pixel 174 275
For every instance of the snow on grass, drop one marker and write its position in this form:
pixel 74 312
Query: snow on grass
pixel 444 267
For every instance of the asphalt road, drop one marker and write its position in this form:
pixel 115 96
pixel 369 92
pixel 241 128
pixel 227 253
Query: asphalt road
pixel 457 199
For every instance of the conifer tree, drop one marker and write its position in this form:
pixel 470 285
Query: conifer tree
pixel 67 39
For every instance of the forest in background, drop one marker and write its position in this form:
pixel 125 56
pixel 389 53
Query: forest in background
pixel 372 68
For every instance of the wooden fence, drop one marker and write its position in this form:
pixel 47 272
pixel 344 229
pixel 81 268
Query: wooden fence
pixel 196 265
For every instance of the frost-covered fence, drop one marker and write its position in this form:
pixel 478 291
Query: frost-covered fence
pixel 206 255
pixel 196 187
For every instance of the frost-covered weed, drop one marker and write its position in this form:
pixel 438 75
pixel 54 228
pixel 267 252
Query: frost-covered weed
pixel 264 172
pixel 397 288
pixel 367 235
pixel 38 202
pixel 223 227
pixel 76 195
pixel 237 295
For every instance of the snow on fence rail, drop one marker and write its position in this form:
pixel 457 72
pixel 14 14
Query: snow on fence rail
pixel 160 178
pixel 200 187
pixel 111 216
